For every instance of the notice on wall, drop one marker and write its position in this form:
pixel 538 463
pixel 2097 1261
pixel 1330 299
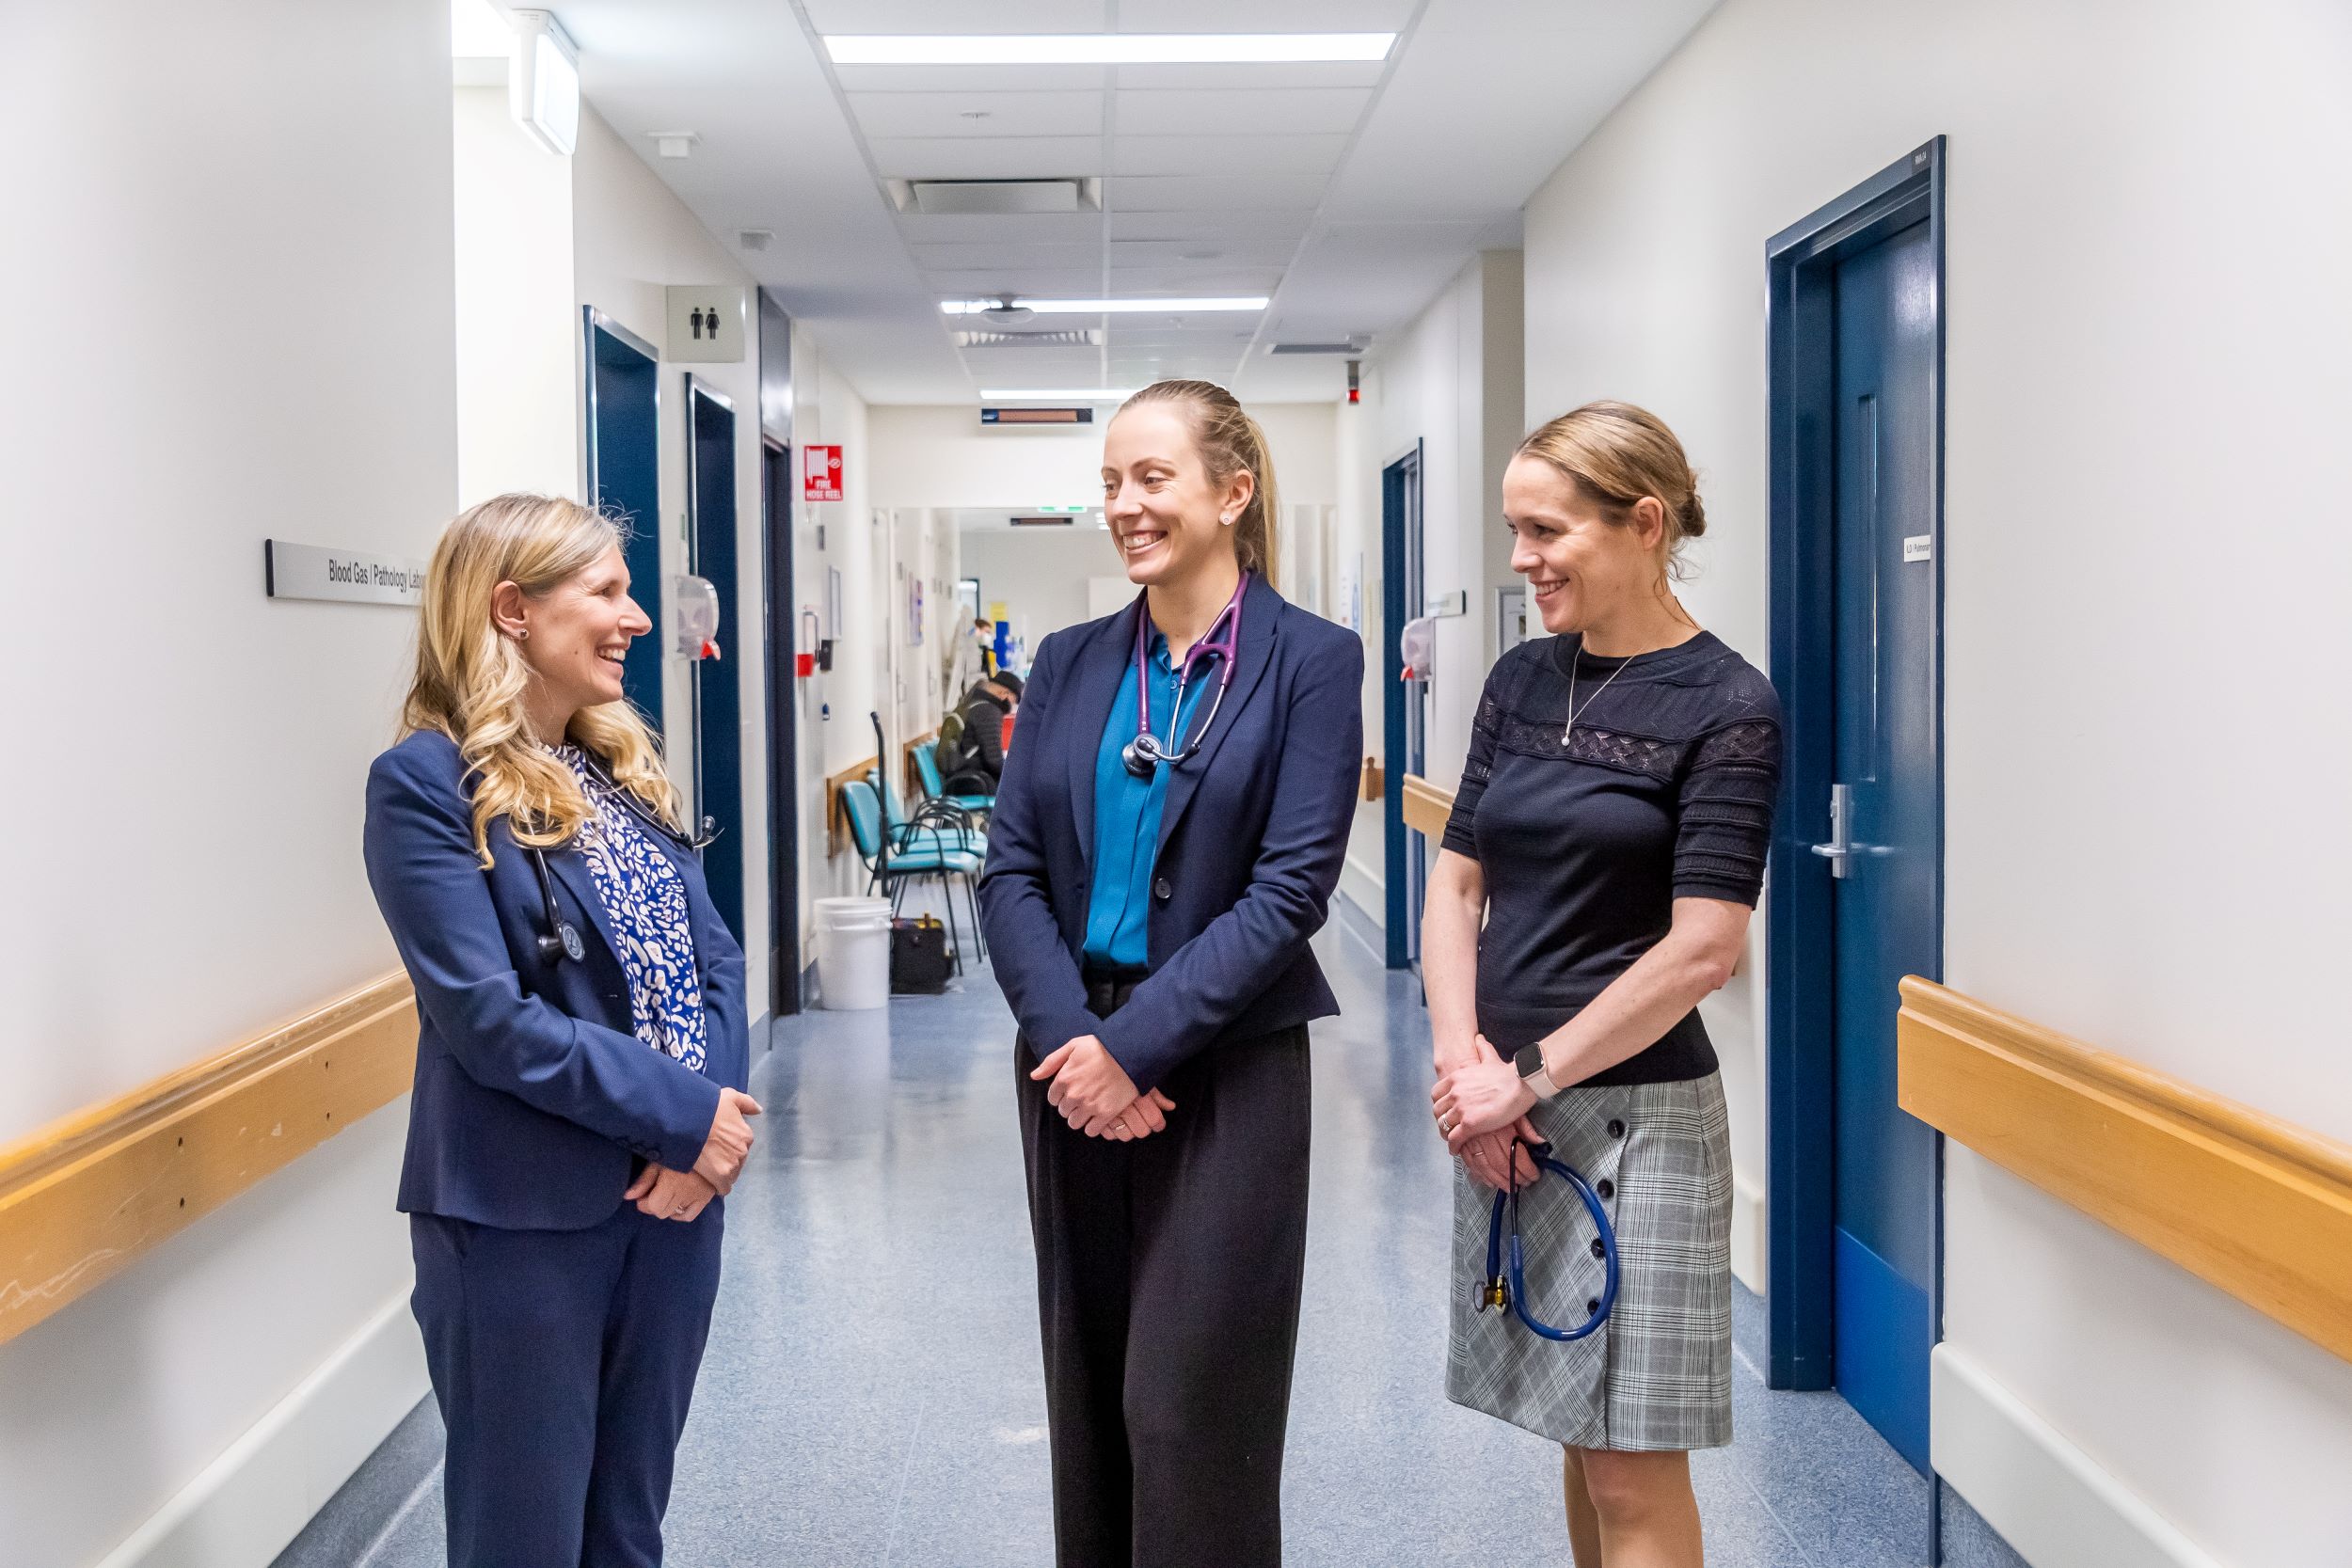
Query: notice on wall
pixel 706 323
pixel 349 576
pixel 820 473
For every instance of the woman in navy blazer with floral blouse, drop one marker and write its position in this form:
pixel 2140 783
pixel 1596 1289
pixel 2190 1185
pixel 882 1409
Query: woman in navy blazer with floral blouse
pixel 1149 921
pixel 582 1050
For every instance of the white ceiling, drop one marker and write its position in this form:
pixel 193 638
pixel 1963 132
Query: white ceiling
pixel 1348 193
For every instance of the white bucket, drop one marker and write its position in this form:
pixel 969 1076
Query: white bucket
pixel 852 954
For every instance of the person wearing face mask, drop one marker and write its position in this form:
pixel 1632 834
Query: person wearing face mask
pixel 581 1047
pixel 1604 854
pixel 1167 838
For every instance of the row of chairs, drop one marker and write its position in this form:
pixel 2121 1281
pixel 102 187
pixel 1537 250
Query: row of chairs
pixel 943 839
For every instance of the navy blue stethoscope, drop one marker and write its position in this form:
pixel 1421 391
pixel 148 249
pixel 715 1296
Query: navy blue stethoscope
pixel 561 940
pixel 1146 752
pixel 1508 1290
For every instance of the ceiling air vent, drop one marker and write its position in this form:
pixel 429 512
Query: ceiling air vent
pixel 1316 348
pixel 1090 336
pixel 1044 522
pixel 997 198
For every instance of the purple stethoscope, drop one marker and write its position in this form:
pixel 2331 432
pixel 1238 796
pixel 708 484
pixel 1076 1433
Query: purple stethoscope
pixel 1145 753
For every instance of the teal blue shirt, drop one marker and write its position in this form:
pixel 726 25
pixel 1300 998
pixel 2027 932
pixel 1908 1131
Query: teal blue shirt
pixel 1127 815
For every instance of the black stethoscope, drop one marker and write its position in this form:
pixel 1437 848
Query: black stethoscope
pixel 561 940
pixel 1145 753
pixel 1509 1290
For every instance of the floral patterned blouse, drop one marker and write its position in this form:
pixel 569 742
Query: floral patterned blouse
pixel 645 903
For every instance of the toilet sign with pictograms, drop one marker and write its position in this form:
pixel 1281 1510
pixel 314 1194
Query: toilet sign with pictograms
pixel 820 473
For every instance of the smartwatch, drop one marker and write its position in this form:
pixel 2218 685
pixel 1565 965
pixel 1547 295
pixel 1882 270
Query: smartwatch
pixel 1529 1060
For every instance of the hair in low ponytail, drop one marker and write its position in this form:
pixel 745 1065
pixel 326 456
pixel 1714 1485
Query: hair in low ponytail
pixel 1230 443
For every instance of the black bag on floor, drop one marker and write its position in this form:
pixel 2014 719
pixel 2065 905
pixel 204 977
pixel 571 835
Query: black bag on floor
pixel 920 965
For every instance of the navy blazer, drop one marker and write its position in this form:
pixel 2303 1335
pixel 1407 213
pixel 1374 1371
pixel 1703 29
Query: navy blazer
pixel 1251 840
pixel 534 1102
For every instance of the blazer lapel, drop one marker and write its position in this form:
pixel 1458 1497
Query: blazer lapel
pixel 1258 611
pixel 1094 681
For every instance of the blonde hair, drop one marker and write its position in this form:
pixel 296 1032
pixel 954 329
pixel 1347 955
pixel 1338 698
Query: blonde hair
pixel 1229 441
pixel 1616 454
pixel 471 677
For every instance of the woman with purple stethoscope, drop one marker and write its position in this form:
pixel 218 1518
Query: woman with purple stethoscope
pixel 1165 840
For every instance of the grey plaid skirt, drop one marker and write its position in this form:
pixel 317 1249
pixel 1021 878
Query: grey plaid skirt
pixel 1658 1374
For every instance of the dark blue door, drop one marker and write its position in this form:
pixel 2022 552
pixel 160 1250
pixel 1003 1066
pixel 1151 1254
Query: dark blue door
pixel 718 682
pixel 1886 811
pixel 624 479
pixel 1404 724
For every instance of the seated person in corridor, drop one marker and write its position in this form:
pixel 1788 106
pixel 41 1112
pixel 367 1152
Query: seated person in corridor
pixel 976 764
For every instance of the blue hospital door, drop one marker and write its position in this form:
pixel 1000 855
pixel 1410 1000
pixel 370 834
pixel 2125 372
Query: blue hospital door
pixel 718 682
pixel 1886 891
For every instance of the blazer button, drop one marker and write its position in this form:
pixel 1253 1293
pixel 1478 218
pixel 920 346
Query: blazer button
pixel 1592 1305
pixel 1607 1188
pixel 1599 1250
pixel 1616 1129
pixel 1161 891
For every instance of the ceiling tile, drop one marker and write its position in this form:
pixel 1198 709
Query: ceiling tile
pixel 952 256
pixel 1257 16
pixel 1206 227
pixel 1003 114
pixel 1048 282
pixel 988 157
pixel 1193 280
pixel 956 16
pixel 1142 112
pixel 1257 78
pixel 969 227
pixel 1318 154
pixel 1215 193
pixel 1196 253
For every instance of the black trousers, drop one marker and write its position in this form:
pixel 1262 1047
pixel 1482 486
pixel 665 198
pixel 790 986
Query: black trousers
pixel 1168 1276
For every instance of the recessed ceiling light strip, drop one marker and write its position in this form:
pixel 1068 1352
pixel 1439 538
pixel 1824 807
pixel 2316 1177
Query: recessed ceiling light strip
pixel 1107 48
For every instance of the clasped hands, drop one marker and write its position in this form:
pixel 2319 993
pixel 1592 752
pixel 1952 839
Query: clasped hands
pixel 1480 1107
pixel 1094 1094
pixel 664 1193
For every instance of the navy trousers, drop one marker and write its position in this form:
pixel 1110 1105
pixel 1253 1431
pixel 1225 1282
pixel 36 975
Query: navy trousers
pixel 564 1362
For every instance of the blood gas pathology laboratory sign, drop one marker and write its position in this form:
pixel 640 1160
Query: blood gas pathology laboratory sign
pixel 349 576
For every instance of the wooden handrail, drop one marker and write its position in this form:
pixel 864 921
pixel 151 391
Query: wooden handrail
pixel 1426 805
pixel 82 1197
pixel 2248 1202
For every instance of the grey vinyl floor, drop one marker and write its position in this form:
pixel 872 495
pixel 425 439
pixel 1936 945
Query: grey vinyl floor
pixel 873 1395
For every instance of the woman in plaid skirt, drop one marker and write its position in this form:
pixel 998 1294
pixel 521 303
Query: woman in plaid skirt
pixel 1597 877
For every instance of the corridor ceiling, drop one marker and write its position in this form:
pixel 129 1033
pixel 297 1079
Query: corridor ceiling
pixel 1348 193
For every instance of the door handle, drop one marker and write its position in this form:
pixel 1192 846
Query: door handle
pixel 1839 850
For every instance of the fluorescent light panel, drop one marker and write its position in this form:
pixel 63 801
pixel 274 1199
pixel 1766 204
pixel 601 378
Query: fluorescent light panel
pixel 1105 48
pixel 1061 394
pixel 1106 306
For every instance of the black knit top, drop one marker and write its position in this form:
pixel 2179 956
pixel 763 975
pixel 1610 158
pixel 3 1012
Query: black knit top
pixel 1665 791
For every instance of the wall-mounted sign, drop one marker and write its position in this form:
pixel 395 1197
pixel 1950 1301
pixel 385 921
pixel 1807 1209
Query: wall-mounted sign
pixel 351 576
pixel 820 473
pixel 706 323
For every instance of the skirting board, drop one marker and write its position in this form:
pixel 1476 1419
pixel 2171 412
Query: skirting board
pixel 1751 1243
pixel 242 1510
pixel 2046 1497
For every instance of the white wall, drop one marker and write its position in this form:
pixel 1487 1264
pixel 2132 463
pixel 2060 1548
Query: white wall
pixel 232 320
pixel 518 334
pixel 2148 205
pixel 1039 575
pixel 632 237
pixel 1451 380
pixel 833 705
